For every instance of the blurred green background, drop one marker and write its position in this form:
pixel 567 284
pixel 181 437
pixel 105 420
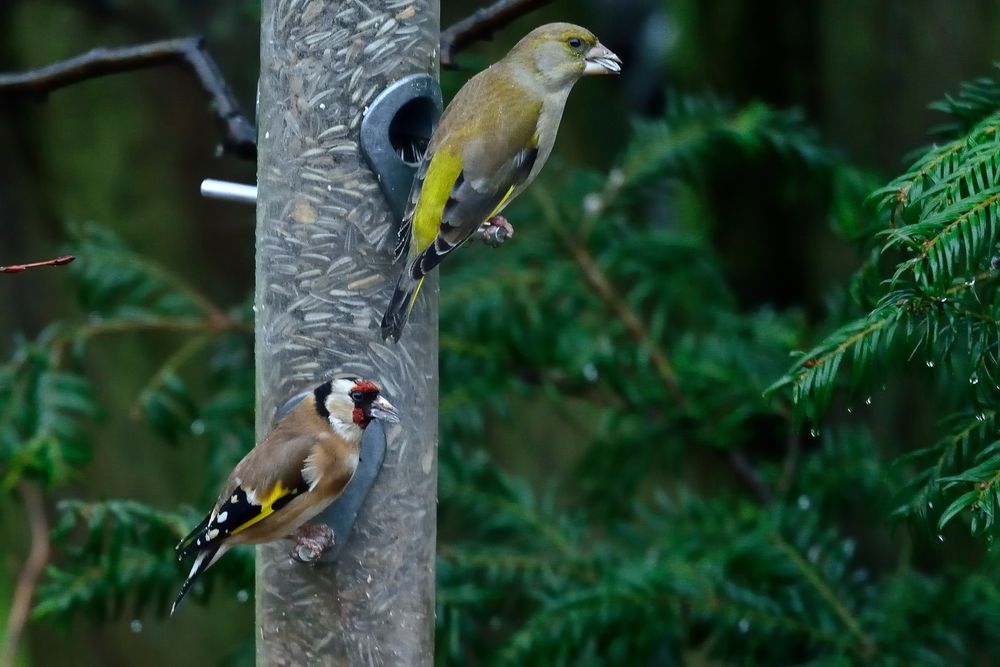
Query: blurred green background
pixel 128 152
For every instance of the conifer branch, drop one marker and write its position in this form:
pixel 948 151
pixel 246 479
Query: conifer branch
pixel 868 648
pixel 90 330
pixel 599 281
pixel 129 260
pixel 181 356
pixel 716 604
pixel 602 286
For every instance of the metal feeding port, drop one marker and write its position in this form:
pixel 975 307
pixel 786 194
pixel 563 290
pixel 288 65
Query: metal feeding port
pixel 395 131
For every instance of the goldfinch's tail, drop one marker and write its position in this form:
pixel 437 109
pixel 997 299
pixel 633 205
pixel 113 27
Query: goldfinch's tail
pixel 400 306
pixel 204 560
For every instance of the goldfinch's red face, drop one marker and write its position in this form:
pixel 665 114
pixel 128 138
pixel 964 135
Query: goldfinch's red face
pixel 349 404
pixel 369 405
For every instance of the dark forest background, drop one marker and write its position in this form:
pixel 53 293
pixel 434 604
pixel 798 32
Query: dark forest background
pixel 609 494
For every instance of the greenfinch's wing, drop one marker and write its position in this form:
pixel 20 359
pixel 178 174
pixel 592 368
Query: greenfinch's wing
pixel 470 203
pixel 480 155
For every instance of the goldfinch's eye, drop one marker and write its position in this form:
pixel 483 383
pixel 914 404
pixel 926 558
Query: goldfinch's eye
pixel 575 42
pixel 356 396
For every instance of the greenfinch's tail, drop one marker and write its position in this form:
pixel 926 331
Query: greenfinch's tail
pixel 400 306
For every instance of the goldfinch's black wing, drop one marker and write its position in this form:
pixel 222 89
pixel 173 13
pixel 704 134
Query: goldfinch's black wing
pixel 242 509
pixel 239 511
pixel 193 535
pixel 255 491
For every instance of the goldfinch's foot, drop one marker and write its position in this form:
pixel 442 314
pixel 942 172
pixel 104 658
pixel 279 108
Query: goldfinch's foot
pixel 495 231
pixel 311 542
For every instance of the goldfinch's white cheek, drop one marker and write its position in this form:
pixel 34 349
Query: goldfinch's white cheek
pixel 345 429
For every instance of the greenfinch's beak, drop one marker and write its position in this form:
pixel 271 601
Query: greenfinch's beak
pixel 383 409
pixel 601 60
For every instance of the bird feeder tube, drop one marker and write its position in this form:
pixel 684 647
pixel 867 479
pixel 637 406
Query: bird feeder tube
pixel 324 272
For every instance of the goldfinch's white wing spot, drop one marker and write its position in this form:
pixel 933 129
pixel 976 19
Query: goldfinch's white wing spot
pixel 239 513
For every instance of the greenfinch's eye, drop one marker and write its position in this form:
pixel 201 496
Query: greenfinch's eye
pixel 575 42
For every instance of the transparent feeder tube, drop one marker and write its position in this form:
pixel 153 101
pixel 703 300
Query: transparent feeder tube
pixel 324 274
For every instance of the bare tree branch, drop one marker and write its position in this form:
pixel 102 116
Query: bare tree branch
pixel 38 556
pixel 17 268
pixel 238 135
pixel 481 25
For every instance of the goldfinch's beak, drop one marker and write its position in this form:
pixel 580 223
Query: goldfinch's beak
pixel 602 60
pixel 382 409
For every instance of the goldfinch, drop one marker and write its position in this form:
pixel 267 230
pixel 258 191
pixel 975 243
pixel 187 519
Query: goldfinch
pixel 292 475
pixel 491 143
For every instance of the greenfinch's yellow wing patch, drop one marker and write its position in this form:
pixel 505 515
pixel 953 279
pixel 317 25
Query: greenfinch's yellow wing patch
pixel 442 173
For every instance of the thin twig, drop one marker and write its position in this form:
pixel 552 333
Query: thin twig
pixel 481 24
pixel 17 268
pixel 238 135
pixel 38 556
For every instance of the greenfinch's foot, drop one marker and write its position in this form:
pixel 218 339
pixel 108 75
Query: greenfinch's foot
pixel 311 542
pixel 495 231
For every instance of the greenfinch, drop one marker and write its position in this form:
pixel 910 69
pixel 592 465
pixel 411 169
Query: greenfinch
pixel 491 143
